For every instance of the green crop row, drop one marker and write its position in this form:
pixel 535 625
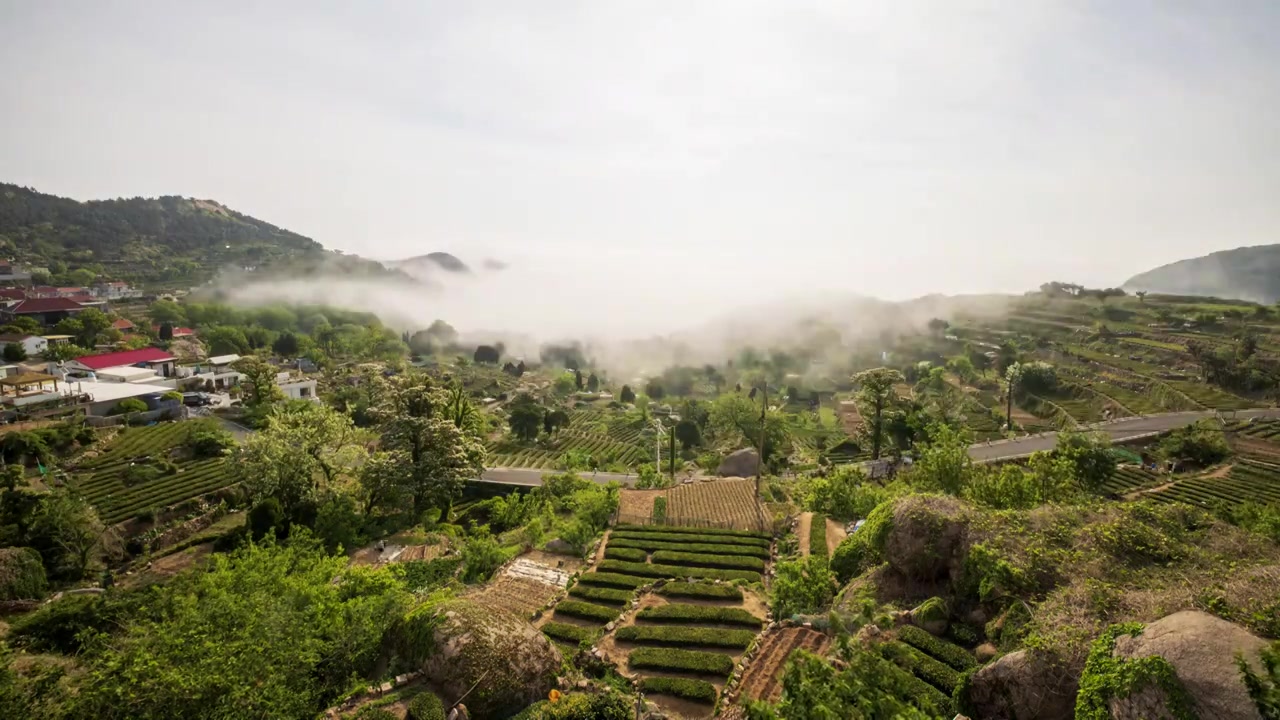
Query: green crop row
pixel 818 535
pixel 953 655
pixel 569 633
pixel 677 530
pixel 608 595
pixel 701 590
pixel 616 580
pixel 651 545
pixel 704 539
pixel 691 661
pixel 624 553
pixel 680 613
pixel 695 690
pixel 935 673
pixel 732 562
pixel 693 636
pixel 587 611
pixel 674 571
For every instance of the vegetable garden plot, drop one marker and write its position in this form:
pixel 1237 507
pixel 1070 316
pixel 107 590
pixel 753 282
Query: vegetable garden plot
pixel 721 503
pixel 762 679
pixel 1128 478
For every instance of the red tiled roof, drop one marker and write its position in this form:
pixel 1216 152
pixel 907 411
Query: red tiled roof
pixel 122 324
pixel 13 293
pixel 177 332
pixel 71 290
pixel 128 357
pixel 44 305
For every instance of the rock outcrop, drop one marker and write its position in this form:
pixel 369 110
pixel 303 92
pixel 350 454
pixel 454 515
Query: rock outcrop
pixel 1025 684
pixel 925 536
pixel 740 463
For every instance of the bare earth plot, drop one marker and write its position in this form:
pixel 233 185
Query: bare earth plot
pixel 522 588
pixel 721 503
pixel 763 677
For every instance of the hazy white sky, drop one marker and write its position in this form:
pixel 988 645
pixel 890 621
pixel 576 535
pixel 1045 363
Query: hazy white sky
pixel 889 148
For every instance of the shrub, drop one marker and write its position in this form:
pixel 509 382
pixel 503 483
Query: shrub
pixel 172 395
pixel 609 705
pixel 699 614
pixel 1106 677
pixel 613 580
pixel 22 574
pixel 671 557
pixel 1264 687
pixel 701 537
pixel 481 556
pixel 373 713
pixel 264 517
pixel 664 635
pixel 570 633
pixel 922 666
pixel 622 553
pixel 950 654
pixel 209 442
pixel 673 571
pixel 693 661
pixel 700 590
pixel 818 535
pixel 651 545
pixel 684 688
pixel 575 608
pixel 803 586
pixel 426 706
pixel 128 405
pixel 601 594
pixel 659 509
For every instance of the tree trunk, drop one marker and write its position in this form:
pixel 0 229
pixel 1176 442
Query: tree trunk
pixel 876 430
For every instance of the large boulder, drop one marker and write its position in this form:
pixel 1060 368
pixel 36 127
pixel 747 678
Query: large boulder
pixel 1024 685
pixel 740 463
pixel 461 645
pixel 1202 650
pixel 925 536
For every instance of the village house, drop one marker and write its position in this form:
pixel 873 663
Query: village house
pixel 13 273
pixel 152 358
pixel 215 373
pixel 297 388
pixel 115 290
pixel 32 344
pixel 46 311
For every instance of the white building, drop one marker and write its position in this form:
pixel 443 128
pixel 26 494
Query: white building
pixel 114 291
pixel 297 388
pixel 33 344
pixel 216 370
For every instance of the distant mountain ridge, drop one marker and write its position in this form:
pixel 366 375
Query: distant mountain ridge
pixel 1246 273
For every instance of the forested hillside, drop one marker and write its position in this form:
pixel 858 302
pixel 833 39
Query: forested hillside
pixel 1247 273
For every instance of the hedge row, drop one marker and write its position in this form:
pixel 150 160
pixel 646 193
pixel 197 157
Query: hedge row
pixel 818 535
pixel 675 571
pixel 624 553
pixel 569 633
pixel 611 596
pixel 678 530
pixel 665 635
pixel 691 661
pixel 922 666
pixel 609 579
pixel 587 611
pixel 706 539
pixel 695 690
pixel 651 545
pixel 700 614
pixel 918 692
pixel 671 557
pixel 700 590
pixel 953 655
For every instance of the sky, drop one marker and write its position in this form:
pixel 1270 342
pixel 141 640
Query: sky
pixel 707 150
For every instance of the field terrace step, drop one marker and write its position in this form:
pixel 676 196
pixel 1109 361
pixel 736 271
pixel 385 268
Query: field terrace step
pixel 530 570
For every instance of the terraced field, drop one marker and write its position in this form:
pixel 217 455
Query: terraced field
pixel 935 663
pixel 1211 397
pixel 762 679
pixel 1128 478
pixel 132 474
pixel 1262 429
pixel 1247 481
pixel 720 503
pixel 590 431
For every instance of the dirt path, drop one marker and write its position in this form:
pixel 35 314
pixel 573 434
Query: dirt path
pixel 1219 472
pixel 802 533
pixel 604 543
pixel 835 533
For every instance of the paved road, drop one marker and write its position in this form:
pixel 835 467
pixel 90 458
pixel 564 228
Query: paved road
pixel 1118 430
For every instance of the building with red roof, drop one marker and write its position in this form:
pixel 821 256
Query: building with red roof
pixel 122 325
pixel 153 358
pixel 46 310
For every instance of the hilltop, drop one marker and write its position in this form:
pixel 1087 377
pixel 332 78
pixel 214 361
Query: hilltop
pixel 1247 273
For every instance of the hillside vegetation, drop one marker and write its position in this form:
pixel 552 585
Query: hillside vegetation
pixel 1247 273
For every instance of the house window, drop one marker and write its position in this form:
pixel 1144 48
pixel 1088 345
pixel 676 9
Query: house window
pixel 304 392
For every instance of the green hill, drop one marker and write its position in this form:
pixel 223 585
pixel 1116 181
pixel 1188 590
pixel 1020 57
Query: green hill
pixel 1247 273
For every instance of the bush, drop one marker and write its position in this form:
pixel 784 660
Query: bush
pixel 671 557
pixel 22 574
pixel 700 590
pixel 370 712
pixel 609 705
pixel 950 654
pixel 684 688
pixel 692 661
pixel 426 706
pixel 660 509
pixel 601 594
pixel 803 586
pixel 664 635
pixel 679 546
pixel 818 535
pixel 674 571
pixel 210 442
pixel 128 405
pixel 922 666
pixel 266 516
pixel 421 576
pixel 587 611
pixel 570 633
pixel 614 580
pixel 481 556
pixel 629 554
pixel 699 614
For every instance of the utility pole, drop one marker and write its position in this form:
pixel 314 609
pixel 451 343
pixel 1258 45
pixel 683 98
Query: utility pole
pixel 672 454
pixel 764 417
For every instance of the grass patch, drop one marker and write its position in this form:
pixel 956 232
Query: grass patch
pixel 700 590
pixel 569 633
pixel 700 614
pixel 676 530
pixel 691 661
pixel 665 635
pixel 624 553
pixel 953 655
pixel 684 688
pixel 818 536
pixel 615 580
pixel 652 545
pixel 690 538
pixel 732 562
pixel 587 611
pixel 675 571
pixel 611 596
pixel 922 666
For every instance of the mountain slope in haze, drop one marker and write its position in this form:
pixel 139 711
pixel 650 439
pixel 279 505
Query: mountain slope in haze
pixel 1247 273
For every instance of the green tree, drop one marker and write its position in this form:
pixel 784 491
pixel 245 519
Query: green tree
pixel 286 345
pixel 593 383
pixel 225 340
pixel 24 324
pixel 93 322
pixel 655 389
pixel 802 586
pixel 166 332
pixel 14 352
pixel 1090 456
pixel 487 354
pixel 66 532
pixel 166 311
pixel 525 418
pixel 81 277
pixel 875 389
pixel 384 481
pixel 259 380
pixel 943 463
pixel 554 420
pixel 627 395
pixel 688 434
pixel 303 450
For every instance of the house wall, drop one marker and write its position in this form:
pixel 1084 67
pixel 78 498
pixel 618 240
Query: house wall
pixel 35 345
